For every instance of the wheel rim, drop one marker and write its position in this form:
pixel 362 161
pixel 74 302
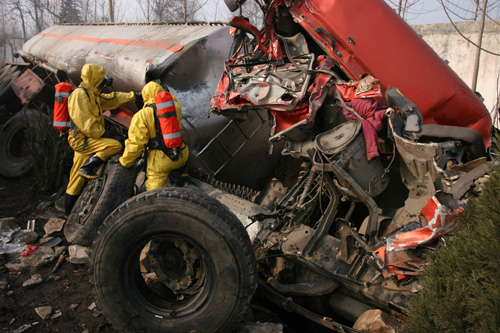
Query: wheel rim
pixel 170 276
pixel 89 199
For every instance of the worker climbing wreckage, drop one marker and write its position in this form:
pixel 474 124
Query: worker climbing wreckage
pixel 156 127
pixel 87 136
pixel 333 160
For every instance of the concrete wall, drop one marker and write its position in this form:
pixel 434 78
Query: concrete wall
pixel 461 55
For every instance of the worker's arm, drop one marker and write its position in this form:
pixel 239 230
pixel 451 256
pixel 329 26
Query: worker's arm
pixel 138 137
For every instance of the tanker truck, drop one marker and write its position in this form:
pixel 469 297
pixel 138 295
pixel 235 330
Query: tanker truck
pixel 327 160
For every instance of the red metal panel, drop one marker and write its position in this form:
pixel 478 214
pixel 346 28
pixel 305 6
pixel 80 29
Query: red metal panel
pixel 370 37
pixel 27 86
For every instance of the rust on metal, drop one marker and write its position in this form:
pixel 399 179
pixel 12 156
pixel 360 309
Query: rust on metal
pixel 27 86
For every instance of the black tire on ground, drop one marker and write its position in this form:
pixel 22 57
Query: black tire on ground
pixel 173 260
pixel 15 144
pixel 99 198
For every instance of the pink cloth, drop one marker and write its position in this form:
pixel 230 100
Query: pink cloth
pixel 374 122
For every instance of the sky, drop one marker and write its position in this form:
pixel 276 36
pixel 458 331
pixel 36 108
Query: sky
pixel 422 12
pixel 429 11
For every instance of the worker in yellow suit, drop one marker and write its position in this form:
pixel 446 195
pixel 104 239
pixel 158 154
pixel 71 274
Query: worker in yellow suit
pixel 87 134
pixel 141 131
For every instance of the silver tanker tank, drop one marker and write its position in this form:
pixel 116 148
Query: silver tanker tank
pixel 189 59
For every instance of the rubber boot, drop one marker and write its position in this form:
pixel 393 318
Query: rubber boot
pixel 180 177
pixel 69 202
pixel 88 170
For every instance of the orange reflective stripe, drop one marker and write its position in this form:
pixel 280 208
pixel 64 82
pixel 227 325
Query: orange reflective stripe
pixel 119 41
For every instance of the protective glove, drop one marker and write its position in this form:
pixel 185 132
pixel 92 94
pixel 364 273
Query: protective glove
pixel 138 96
pixel 138 100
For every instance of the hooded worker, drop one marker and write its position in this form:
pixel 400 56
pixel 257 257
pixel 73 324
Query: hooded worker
pixel 142 133
pixel 87 135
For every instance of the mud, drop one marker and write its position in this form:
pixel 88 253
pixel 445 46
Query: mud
pixel 67 290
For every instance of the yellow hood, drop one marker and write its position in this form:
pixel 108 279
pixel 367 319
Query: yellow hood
pixel 92 75
pixel 149 92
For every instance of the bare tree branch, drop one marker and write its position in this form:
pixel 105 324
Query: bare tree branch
pixel 461 34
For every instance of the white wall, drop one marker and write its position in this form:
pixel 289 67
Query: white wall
pixel 461 55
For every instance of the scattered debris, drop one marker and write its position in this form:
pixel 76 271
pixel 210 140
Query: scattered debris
pixel 78 254
pixel 10 293
pixel 92 306
pixel 56 314
pixel 376 321
pixel 29 237
pixel 31 225
pixel 73 307
pixel 41 257
pixel 50 241
pixel 25 327
pixel 45 240
pixel 43 311
pixel 59 250
pixel 29 250
pixel 58 263
pixel 260 328
pixel 35 280
pixel 7 223
pixel 53 225
pixel 43 205
pixel 4 284
pixel 11 248
pixel 12 238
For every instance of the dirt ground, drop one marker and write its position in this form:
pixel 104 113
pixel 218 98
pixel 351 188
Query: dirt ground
pixel 68 289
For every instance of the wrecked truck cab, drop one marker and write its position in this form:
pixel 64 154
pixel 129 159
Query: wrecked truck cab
pixel 373 176
pixel 390 51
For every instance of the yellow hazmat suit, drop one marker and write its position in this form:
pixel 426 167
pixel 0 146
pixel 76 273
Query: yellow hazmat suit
pixel 141 130
pixel 86 112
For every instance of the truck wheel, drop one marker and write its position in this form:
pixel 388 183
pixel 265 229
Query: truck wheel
pixel 15 144
pixel 173 260
pixel 99 198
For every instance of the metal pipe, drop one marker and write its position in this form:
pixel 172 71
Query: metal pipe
pixel 304 289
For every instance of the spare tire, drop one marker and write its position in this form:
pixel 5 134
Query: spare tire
pixel 99 198
pixel 173 260
pixel 16 138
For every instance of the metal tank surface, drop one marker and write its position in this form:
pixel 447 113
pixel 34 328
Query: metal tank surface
pixel 189 60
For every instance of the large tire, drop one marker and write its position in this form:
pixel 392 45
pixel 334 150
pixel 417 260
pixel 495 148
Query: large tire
pixel 16 139
pixel 173 260
pixel 99 198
